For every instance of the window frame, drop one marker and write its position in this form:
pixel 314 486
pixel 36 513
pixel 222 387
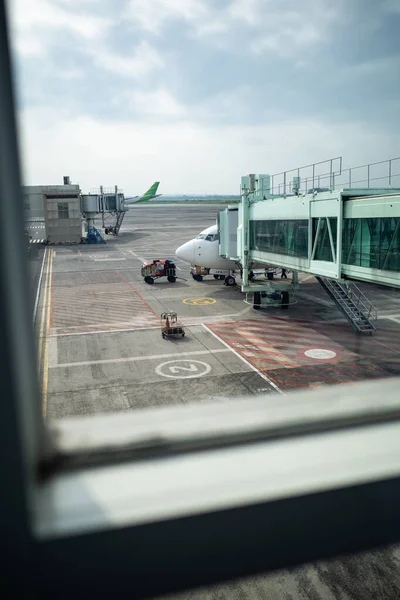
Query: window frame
pixel 63 210
pixel 287 229
pixel 159 555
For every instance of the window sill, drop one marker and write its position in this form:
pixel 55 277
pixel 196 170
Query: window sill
pixel 193 460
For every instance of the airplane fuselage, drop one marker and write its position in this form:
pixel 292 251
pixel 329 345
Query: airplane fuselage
pixel 203 251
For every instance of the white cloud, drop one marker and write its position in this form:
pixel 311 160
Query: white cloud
pixel 372 68
pixel 28 45
pixel 34 25
pixel 276 27
pixel 151 15
pixel 288 41
pixel 144 60
pixel 247 11
pixel 27 15
pixel 212 27
pixel 290 32
pixel 184 156
pixel 156 103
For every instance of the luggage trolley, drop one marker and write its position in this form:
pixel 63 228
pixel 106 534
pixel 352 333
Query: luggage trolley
pixel 170 326
pixel 159 268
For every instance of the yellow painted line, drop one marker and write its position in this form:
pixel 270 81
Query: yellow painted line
pixel 114 292
pixel 46 342
pixel 133 254
pixel 199 301
pixel 43 312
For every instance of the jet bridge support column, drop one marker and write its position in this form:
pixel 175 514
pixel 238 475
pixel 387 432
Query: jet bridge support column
pixel 245 239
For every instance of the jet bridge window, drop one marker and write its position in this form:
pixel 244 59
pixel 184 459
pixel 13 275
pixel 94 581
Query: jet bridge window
pixel 63 212
pixel 324 239
pixel 372 243
pixel 289 237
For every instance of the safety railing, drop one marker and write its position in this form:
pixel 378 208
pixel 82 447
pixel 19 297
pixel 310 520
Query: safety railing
pixel 328 175
pixel 315 175
pixel 362 302
pixel 382 174
pixel 105 191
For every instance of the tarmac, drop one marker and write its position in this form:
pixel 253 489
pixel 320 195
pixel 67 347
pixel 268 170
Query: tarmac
pixel 101 350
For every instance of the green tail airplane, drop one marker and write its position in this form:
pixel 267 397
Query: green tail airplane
pixel 151 193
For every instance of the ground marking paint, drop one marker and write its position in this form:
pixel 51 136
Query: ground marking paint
pixel 199 301
pixel 46 343
pixel 395 318
pixel 143 260
pixel 39 284
pixel 320 354
pixel 107 259
pixel 137 358
pixel 43 313
pixel 174 368
pixel 108 331
pixel 252 367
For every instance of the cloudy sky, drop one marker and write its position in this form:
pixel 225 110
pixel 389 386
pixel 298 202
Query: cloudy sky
pixel 196 93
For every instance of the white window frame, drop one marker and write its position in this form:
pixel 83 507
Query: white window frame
pixel 163 500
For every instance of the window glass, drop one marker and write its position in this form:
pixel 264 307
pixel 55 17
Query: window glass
pixel 288 237
pixel 372 243
pixel 323 249
pixel 63 212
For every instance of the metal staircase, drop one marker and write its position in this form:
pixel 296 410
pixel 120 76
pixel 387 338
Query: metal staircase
pixel 112 221
pixel 94 236
pixel 120 218
pixel 355 306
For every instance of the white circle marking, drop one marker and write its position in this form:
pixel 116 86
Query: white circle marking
pixel 320 353
pixel 191 368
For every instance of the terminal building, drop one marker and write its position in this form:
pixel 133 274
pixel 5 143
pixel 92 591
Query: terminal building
pixel 61 214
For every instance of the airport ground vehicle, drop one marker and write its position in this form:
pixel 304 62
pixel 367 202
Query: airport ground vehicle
pixel 159 268
pixel 170 326
pixel 274 297
pixel 198 273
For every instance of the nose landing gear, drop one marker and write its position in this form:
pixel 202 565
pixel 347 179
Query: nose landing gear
pixel 230 280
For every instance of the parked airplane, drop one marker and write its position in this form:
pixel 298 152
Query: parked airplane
pixel 151 193
pixel 202 251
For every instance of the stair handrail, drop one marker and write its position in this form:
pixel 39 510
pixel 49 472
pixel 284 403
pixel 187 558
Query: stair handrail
pixel 360 299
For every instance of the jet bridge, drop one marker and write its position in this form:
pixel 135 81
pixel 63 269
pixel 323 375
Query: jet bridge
pixel 324 221
pixel 110 204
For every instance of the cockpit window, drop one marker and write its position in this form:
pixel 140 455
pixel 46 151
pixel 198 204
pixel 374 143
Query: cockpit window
pixel 211 237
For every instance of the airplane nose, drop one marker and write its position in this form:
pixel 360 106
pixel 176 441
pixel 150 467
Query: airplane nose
pixel 186 252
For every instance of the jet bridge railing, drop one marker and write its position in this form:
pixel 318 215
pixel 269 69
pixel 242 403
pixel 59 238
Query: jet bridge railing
pixel 312 175
pixel 106 191
pixel 328 175
pixel 386 172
